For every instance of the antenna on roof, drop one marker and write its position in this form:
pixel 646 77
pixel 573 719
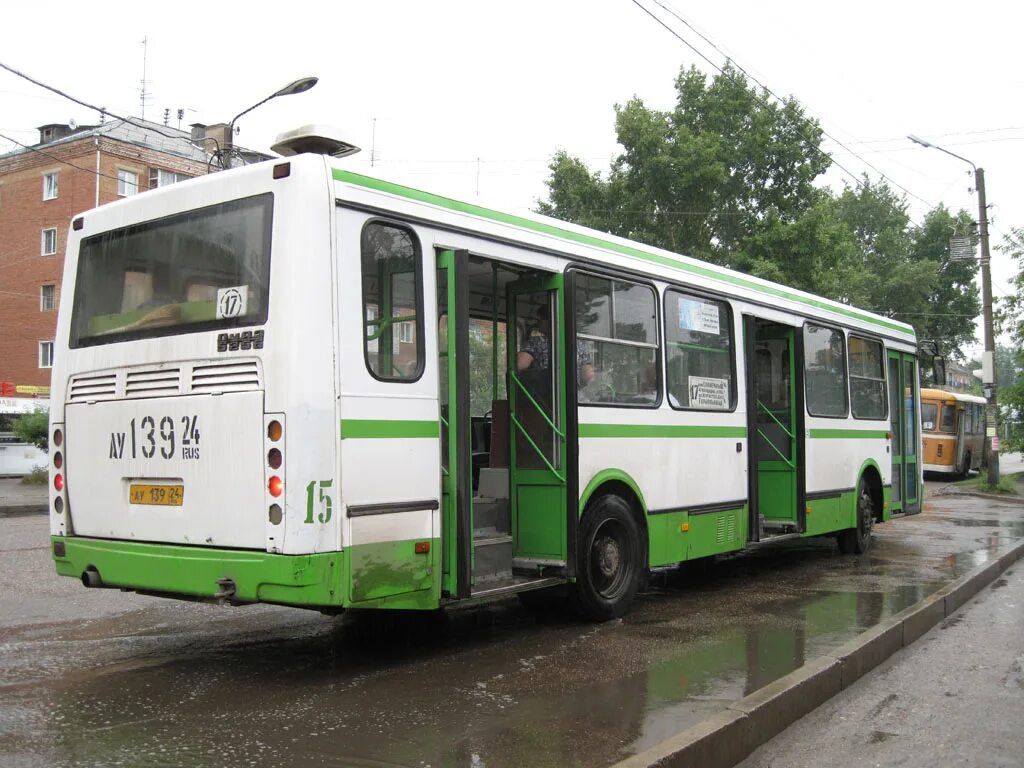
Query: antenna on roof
pixel 144 95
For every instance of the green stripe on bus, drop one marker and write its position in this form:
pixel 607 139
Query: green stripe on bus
pixel 849 433
pixel 658 430
pixel 565 234
pixel 354 428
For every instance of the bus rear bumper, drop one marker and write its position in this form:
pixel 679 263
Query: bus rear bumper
pixel 241 576
pixel 945 469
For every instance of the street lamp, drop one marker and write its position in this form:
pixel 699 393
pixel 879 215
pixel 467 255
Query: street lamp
pixel 986 292
pixel 301 85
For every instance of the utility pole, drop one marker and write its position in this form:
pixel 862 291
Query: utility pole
pixel 988 359
pixel 992 417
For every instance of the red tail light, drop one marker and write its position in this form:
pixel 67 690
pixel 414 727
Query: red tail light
pixel 58 482
pixel 58 460
pixel 275 486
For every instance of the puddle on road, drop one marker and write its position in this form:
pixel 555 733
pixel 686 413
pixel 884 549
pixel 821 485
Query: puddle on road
pixel 489 686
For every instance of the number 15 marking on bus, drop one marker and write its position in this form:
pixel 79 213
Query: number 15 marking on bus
pixel 324 502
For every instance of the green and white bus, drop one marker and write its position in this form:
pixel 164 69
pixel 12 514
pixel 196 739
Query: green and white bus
pixel 291 383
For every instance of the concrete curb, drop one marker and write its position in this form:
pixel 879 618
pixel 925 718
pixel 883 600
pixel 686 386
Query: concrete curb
pixel 726 738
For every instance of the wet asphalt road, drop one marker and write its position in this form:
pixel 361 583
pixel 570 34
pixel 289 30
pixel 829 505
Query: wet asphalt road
pixel 103 678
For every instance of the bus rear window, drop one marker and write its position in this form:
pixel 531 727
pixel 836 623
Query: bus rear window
pixel 201 270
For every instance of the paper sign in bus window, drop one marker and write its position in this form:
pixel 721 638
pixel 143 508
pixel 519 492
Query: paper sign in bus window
pixel 696 315
pixel 708 393
pixel 232 302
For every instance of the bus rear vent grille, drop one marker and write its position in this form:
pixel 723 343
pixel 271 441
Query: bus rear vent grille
pixel 97 386
pixel 163 382
pixel 726 529
pixel 237 376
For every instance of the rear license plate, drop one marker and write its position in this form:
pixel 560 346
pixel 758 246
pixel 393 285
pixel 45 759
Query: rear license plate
pixel 157 495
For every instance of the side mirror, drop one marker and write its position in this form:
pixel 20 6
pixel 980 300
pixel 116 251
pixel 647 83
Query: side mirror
pixel 939 371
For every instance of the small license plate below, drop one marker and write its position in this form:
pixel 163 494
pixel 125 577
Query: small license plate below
pixel 156 495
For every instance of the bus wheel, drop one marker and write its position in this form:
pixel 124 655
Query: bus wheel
pixel 856 541
pixel 609 560
pixel 965 471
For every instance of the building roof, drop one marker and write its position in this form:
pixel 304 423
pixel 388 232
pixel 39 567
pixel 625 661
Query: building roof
pixel 144 133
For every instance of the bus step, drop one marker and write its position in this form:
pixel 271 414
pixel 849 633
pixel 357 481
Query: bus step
pixel 772 538
pixel 492 559
pixel 492 513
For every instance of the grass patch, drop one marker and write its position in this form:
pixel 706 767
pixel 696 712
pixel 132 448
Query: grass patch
pixel 1008 484
pixel 38 476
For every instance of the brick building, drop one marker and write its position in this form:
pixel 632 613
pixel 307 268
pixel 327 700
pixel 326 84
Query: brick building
pixel 70 170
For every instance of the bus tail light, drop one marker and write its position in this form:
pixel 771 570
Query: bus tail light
pixel 58 473
pixel 274 477
pixel 275 486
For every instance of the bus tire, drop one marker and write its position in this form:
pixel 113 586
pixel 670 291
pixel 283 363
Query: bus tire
pixel 608 573
pixel 857 541
pixel 965 470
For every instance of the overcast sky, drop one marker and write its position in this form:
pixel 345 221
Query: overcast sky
pixel 449 82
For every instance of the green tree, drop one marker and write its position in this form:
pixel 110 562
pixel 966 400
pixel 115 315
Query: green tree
pixel 34 428
pixel 1011 391
pixel 725 166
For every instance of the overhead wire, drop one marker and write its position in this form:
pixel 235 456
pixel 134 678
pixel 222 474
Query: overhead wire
pixel 57 159
pixel 857 181
pixel 102 110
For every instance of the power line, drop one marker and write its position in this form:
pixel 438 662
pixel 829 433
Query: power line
pixel 54 157
pixel 87 105
pixel 768 90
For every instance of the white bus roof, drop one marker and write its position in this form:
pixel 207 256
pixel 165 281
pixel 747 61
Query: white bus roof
pixel 495 223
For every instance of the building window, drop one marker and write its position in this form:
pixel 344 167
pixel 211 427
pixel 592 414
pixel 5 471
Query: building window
pixel 700 351
pixel 47 298
pixel 45 354
pixel 405 333
pixel 127 183
pixel 50 186
pixel 825 370
pixel 158 177
pixel 392 288
pixel 49 242
pixel 616 342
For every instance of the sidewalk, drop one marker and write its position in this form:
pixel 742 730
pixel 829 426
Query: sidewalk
pixel 953 698
pixel 18 499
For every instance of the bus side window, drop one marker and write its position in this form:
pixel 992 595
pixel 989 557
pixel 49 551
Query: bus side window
pixel 392 302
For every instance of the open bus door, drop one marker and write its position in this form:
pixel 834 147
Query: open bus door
pixel 537 411
pixel 775 425
pixel 905 425
pixel 503 502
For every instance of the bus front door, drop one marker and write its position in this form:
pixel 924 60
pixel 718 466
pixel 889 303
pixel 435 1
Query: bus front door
pixel 775 429
pixel 537 412
pixel 905 423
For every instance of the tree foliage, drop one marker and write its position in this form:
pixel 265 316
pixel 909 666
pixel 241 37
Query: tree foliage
pixel 34 428
pixel 729 176
pixel 1011 387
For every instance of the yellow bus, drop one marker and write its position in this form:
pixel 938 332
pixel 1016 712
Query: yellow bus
pixel 953 429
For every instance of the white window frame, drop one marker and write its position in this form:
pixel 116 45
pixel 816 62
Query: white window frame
pixel 43 244
pixel 406 332
pixel 46 354
pixel 42 297
pixel 124 187
pixel 156 174
pixel 51 185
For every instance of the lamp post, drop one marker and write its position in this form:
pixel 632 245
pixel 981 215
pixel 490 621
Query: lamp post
pixel 298 86
pixel 986 292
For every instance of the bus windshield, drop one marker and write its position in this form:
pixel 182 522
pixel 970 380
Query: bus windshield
pixel 204 269
pixel 929 415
